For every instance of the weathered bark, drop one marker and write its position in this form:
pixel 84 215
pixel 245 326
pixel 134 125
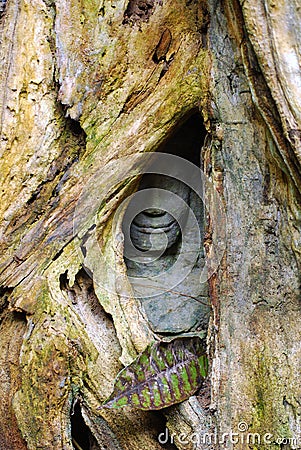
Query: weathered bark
pixel 257 355
pixel 87 86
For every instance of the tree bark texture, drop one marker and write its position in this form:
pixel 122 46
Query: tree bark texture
pixel 86 86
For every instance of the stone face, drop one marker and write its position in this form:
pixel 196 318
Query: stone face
pixel 164 235
pixel 151 227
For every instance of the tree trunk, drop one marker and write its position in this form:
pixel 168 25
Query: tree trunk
pixel 88 89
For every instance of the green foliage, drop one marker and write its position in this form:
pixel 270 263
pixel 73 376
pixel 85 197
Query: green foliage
pixel 165 373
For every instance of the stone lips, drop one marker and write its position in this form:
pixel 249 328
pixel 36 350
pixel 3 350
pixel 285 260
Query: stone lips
pixel 160 222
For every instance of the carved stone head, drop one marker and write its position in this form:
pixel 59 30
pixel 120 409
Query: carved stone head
pixel 159 226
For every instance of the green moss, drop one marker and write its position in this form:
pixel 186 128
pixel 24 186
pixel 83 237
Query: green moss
pixel 269 416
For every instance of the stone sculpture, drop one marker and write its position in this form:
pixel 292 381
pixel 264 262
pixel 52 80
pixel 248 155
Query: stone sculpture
pixel 164 249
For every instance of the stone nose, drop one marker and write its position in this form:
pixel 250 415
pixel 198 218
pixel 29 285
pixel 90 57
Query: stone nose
pixel 154 212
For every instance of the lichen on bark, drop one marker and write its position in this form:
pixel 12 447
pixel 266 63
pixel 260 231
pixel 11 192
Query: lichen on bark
pixel 88 84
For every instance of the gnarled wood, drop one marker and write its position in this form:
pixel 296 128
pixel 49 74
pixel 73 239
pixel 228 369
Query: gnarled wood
pixel 86 86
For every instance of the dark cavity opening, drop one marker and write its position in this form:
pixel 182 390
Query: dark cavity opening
pixel 163 229
pixel 187 139
pixel 186 142
pixel 163 435
pixel 75 127
pixel 82 438
pixel 138 11
pixel 2 8
pixel 5 293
